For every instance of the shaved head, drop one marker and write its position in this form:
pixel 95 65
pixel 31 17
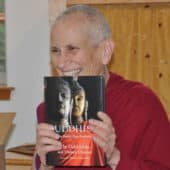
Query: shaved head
pixel 91 21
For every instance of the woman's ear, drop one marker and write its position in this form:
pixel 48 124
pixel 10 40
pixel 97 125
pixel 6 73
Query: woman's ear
pixel 107 51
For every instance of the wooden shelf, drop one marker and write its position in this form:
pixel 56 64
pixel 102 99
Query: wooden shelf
pixel 5 93
pixel 2 17
pixel 98 2
pixel 18 159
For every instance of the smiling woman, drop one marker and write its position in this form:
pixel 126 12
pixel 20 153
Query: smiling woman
pixel 2 44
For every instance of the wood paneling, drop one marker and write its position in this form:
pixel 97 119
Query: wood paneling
pixel 2 156
pixel 15 161
pixel 17 167
pixel 55 7
pixel 142 37
pixel 73 2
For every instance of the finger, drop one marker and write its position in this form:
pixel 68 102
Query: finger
pixel 98 123
pixel 102 133
pixel 111 144
pixel 105 134
pixel 99 127
pixel 104 117
pixel 48 141
pixel 100 142
pixel 47 133
pixel 42 151
pixel 48 148
pixel 106 145
pixel 45 126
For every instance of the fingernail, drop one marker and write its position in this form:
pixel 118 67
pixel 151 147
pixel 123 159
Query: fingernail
pixel 91 127
pixel 99 113
pixel 50 127
pixel 90 120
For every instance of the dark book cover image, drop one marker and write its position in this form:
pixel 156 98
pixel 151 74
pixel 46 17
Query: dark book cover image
pixel 69 103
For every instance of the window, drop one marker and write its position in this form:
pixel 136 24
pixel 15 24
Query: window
pixel 2 44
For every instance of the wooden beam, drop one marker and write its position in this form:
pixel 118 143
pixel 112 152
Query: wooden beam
pixel 5 93
pixel 18 162
pixel 2 155
pixel 98 2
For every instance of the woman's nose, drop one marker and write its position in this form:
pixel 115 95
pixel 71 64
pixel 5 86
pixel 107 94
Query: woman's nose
pixel 63 60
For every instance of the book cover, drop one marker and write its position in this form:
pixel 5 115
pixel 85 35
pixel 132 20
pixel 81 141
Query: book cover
pixel 69 103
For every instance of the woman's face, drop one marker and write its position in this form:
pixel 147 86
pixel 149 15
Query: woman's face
pixel 79 103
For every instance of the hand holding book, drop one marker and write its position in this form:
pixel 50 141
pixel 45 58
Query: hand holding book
pixel 47 140
pixel 105 137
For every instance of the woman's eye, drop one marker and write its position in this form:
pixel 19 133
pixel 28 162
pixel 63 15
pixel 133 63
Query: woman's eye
pixel 79 98
pixel 55 50
pixel 72 48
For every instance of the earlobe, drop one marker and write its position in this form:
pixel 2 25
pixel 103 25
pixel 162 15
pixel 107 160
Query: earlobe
pixel 108 47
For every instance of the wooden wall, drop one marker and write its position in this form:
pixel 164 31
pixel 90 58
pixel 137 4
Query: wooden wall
pixel 54 8
pixel 142 37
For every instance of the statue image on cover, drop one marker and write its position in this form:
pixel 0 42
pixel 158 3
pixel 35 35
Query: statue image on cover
pixel 63 106
pixel 78 147
pixel 80 104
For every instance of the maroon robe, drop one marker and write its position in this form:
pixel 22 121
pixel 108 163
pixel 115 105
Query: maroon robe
pixel 141 125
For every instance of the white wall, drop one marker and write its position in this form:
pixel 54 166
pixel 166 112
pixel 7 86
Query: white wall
pixel 27 31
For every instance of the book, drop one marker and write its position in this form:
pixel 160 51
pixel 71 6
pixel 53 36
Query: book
pixel 69 103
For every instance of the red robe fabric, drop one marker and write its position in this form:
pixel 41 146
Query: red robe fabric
pixel 141 125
